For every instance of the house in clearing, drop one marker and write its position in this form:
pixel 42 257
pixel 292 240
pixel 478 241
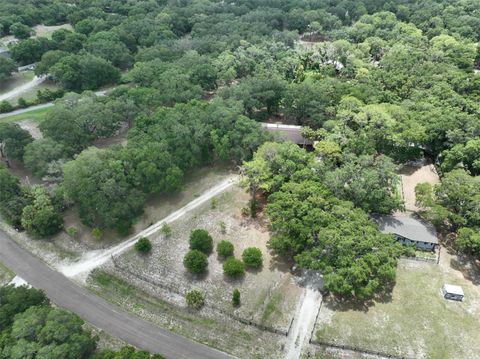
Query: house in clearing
pixel 409 230
pixel 453 292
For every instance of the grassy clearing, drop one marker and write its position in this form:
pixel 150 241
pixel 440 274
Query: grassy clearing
pixel 6 275
pixel 229 336
pixel 17 79
pixel 31 94
pixel 37 115
pixel 47 31
pixel 416 321
pixel 268 296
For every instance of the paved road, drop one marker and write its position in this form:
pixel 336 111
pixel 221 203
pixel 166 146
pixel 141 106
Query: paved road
pixel 97 311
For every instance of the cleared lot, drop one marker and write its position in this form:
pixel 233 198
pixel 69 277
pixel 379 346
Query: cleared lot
pixel 415 321
pixel 269 295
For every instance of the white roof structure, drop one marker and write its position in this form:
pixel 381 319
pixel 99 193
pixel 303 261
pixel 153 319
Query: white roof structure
pixel 453 289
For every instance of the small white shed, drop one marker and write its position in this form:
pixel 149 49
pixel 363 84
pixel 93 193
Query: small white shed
pixel 454 292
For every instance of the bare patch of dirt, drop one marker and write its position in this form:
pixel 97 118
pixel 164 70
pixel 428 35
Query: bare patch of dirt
pixel 32 127
pixel 269 296
pixel 413 174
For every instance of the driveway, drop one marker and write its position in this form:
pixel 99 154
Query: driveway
pixel 97 311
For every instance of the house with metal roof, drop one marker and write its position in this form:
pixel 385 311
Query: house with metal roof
pixel 409 230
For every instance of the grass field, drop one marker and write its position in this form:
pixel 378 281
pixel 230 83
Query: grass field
pixel 221 333
pixel 269 295
pixel 16 80
pixel 34 115
pixel 6 275
pixel 415 322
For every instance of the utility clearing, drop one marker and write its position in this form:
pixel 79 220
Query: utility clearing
pixel 94 259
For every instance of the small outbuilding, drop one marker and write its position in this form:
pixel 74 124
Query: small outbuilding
pixel 453 292
pixel 409 230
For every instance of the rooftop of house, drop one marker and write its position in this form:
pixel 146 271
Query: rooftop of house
pixel 408 227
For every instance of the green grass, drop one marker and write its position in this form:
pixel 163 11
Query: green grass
pixel 271 306
pixel 35 115
pixel 415 322
pixel 16 80
pixel 224 334
pixel 6 275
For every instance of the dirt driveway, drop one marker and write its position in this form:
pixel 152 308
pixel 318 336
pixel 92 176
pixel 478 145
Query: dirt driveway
pixel 413 174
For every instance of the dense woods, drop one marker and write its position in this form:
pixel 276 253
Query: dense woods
pixel 376 83
pixel 31 328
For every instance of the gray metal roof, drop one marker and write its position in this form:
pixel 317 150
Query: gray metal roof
pixel 406 226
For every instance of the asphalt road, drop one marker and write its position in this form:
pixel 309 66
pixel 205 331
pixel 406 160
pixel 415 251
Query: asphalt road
pixel 97 311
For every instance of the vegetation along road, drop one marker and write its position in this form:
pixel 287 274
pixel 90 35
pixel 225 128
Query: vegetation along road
pixel 97 311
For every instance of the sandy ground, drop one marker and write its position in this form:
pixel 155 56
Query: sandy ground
pixel 32 128
pixel 96 258
pixel 413 174
pixel 46 31
pixel 269 295
pixel 18 91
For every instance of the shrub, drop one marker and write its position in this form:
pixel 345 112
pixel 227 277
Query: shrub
pixel 223 227
pixel 233 267
pixel 5 106
pixel 195 299
pixel 72 232
pixel 195 261
pixel 97 233
pixel 166 230
pixel 201 240
pixel 236 298
pixel 22 103
pixel 143 245
pixel 252 257
pixel 225 249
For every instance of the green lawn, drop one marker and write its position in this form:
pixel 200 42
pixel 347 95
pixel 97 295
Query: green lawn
pixel 16 80
pixel 35 115
pixel 415 322
pixel 6 275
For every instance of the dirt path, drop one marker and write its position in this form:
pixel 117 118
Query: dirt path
pixel 303 323
pixel 412 175
pixel 93 259
pixel 23 88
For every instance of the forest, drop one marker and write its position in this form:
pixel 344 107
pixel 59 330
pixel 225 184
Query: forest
pixel 376 83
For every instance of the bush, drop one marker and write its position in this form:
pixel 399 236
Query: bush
pixel 225 249
pixel 201 240
pixel 252 257
pixel 195 261
pixel 5 106
pixel 97 233
pixel 72 232
pixel 143 245
pixel 233 267
pixel 166 230
pixel 236 298
pixel 195 299
pixel 22 103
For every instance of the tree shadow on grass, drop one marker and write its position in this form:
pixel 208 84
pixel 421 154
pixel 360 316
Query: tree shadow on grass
pixel 468 266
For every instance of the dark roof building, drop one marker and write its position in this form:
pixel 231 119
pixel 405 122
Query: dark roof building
pixel 409 230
